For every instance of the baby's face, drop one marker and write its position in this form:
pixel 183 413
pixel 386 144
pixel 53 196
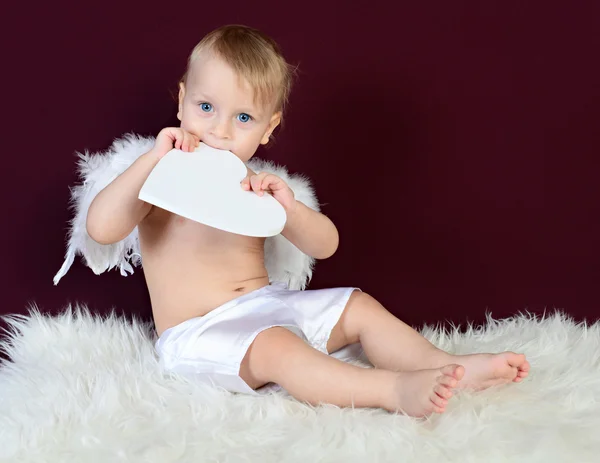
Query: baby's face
pixel 218 107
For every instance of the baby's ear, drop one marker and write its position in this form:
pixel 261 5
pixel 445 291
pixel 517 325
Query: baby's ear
pixel 181 97
pixel 273 123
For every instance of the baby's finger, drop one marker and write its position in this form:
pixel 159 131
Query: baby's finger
pixel 245 183
pixel 187 141
pixel 178 142
pixel 179 138
pixel 256 181
pixel 194 141
pixel 269 181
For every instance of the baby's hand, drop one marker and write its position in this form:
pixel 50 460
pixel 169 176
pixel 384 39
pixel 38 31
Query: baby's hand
pixel 174 137
pixel 272 184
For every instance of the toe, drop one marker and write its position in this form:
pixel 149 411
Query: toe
pixel 454 370
pixel 439 409
pixel 438 401
pixel 442 391
pixel 517 360
pixel 448 381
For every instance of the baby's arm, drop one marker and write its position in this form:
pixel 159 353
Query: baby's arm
pixel 117 210
pixel 312 232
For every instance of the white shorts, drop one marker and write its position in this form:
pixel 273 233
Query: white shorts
pixel 211 348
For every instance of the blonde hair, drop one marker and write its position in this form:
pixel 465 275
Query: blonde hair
pixel 253 56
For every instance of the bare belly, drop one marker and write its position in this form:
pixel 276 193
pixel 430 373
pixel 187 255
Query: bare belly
pixel 191 269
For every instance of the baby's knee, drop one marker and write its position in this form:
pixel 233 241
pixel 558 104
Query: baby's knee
pixel 362 303
pixel 359 313
pixel 265 358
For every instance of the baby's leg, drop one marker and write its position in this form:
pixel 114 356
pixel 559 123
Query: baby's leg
pixel 277 355
pixel 391 344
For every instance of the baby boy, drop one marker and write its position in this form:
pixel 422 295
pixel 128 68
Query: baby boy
pixel 217 315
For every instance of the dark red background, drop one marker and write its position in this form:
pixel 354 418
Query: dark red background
pixel 455 144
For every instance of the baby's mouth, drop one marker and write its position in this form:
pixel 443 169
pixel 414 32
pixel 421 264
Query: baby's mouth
pixel 215 147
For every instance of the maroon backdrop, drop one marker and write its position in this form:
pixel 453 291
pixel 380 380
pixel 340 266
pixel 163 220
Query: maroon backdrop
pixel 455 144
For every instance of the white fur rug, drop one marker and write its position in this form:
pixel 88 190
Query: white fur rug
pixel 85 389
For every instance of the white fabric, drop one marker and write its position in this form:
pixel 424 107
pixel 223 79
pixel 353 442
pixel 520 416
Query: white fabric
pixel 285 263
pixel 81 388
pixel 211 348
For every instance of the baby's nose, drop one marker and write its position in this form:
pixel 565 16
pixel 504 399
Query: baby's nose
pixel 221 130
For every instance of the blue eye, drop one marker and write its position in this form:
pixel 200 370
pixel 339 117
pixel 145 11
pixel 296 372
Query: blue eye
pixel 244 117
pixel 206 107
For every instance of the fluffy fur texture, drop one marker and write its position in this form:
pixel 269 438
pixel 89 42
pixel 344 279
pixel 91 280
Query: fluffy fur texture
pixel 85 389
pixel 284 262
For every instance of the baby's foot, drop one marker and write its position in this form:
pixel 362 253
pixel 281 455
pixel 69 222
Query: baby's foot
pixel 422 392
pixel 485 370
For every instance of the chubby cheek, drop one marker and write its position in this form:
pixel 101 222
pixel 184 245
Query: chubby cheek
pixel 246 147
pixel 242 153
pixel 194 125
pixel 193 128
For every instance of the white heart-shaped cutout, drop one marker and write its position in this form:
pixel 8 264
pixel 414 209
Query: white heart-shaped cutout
pixel 204 186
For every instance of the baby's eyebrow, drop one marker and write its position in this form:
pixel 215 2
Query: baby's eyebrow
pixel 200 95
